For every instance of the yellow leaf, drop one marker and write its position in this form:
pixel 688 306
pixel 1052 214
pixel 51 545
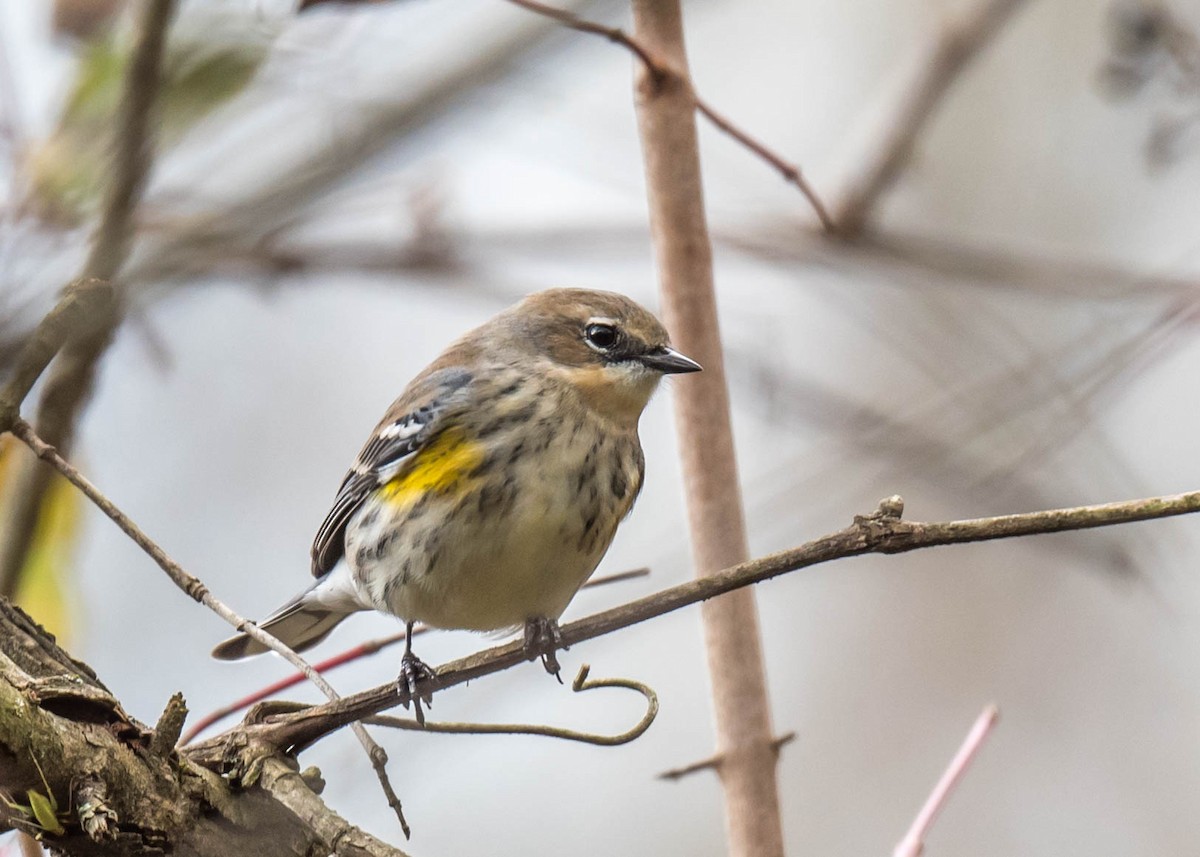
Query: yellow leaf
pixel 43 587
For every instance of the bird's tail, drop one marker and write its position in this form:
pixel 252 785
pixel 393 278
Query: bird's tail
pixel 301 623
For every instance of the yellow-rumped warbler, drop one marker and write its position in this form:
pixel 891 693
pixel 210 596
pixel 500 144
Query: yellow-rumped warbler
pixel 493 486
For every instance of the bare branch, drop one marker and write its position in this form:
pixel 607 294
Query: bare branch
pixel 956 46
pixel 713 763
pixel 882 532
pixel 660 72
pixel 128 790
pixel 74 315
pixel 199 592
pixel 362 650
pixel 716 521
pixel 288 787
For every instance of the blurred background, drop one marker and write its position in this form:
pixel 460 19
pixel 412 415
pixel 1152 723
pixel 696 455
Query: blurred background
pixel 338 194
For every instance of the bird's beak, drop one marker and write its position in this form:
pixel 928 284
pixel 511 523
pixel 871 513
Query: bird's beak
pixel 668 361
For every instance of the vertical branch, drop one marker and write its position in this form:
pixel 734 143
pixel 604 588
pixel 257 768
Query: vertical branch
pixel 667 125
pixel 72 377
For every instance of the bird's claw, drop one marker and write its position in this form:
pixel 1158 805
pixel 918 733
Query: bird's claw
pixel 414 671
pixel 543 639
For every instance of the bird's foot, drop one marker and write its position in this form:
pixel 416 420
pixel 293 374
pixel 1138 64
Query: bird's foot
pixel 414 671
pixel 543 639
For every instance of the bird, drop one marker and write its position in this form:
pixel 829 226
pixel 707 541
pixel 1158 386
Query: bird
pixel 493 486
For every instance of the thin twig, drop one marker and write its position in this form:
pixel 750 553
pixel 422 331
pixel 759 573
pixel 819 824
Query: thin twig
pixel 196 590
pixel 913 842
pixel 580 684
pixel 882 532
pixel 956 46
pixel 656 67
pixel 791 172
pixel 343 839
pixel 362 650
pixel 661 71
pixel 369 647
pixel 74 314
pixel 713 763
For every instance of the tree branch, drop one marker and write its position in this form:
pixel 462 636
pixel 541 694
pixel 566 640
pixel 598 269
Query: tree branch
pixel 199 592
pixel 881 532
pixel 660 72
pixel 712 488
pixel 120 792
pixel 956 46
pixel 72 378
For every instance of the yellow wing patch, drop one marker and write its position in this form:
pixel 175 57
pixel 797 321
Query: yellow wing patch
pixel 441 467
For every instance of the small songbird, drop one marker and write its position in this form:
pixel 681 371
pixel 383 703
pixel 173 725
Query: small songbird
pixel 493 486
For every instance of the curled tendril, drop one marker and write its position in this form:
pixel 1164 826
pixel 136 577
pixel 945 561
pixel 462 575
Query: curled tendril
pixel 580 684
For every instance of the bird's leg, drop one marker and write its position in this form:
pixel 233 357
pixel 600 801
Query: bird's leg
pixel 413 671
pixel 543 639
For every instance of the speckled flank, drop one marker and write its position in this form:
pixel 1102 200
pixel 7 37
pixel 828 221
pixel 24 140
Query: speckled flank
pixel 494 535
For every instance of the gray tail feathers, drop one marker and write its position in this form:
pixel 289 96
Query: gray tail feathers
pixel 300 624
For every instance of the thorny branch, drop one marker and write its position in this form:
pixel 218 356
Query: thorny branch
pixel 662 73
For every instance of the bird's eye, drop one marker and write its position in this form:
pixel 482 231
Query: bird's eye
pixel 602 336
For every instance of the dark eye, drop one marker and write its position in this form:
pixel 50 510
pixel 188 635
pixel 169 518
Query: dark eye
pixel 602 336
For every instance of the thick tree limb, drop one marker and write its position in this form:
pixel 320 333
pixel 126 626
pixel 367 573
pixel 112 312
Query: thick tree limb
pixel 118 793
pixel 199 592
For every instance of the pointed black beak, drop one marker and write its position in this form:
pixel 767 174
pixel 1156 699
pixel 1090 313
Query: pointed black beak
pixel 668 361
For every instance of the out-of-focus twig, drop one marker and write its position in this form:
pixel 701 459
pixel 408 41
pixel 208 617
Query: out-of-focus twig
pixel 310 175
pixel 913 842
pixel 956 45
pixel 661 72
pixel 70 381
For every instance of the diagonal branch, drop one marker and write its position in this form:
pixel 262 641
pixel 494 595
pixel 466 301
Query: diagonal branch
pixel 913 842
pixel 199 592
pixel 661 73
pixel 882 532
pixel 956 46
pixel 352 654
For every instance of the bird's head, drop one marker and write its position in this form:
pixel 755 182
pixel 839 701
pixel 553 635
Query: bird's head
pixel 613 351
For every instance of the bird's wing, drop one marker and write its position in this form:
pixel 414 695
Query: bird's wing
pixel 412 421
